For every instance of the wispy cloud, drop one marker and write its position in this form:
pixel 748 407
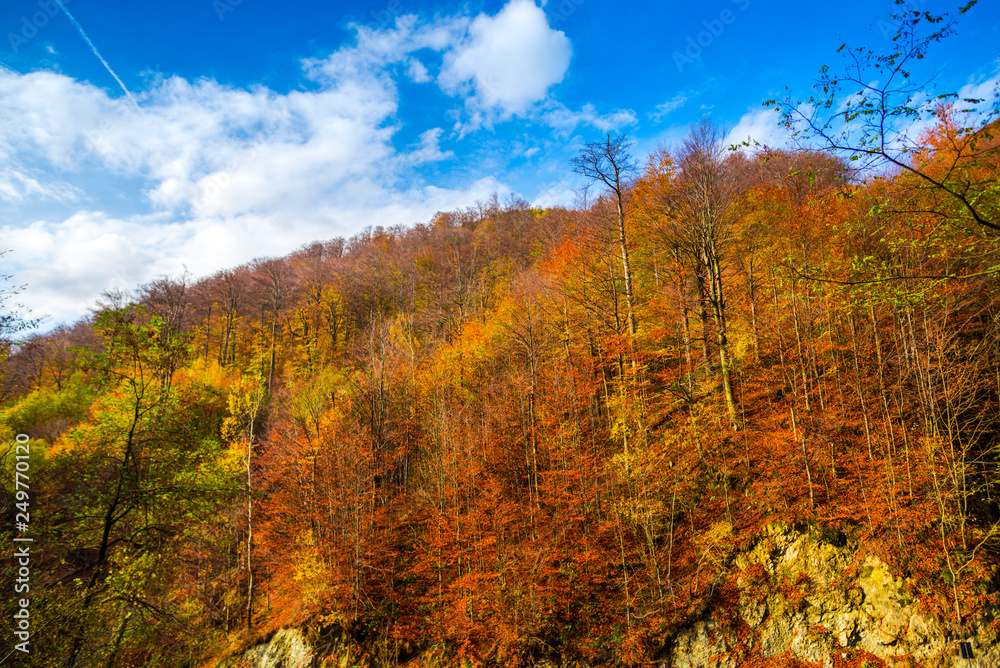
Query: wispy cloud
pixel 673 104
pixel 565 121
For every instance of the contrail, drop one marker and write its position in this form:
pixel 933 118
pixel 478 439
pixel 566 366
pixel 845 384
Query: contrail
pixel 97 53
pixel 8 67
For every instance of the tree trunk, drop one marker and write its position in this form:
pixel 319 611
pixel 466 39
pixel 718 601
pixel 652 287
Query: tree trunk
pixel 719 311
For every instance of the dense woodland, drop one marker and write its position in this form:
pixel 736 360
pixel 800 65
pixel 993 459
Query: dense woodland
pixel 527 433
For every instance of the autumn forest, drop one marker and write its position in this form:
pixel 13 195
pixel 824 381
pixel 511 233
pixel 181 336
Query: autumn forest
pixel 521 434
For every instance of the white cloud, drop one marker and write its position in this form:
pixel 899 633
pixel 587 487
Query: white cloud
pixel 428 150
pixel 565 121
pixel 65 265
pixel 564 193
pixel 761 127
pixel 417 71
pixel 507 63
pixel 18 187
pixel 215 175
pixel 225 174
pixel 45 114
pixel 377 49
pixel 674 103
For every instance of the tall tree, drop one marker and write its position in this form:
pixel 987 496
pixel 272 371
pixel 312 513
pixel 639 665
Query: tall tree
pixel 610 163
pixel 710 187
pixel 274 278
pixel 245 407
pixel 229 289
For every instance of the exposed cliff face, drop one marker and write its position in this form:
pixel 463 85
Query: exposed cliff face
pixel 799 597
pixel 288 648
pixel 807 599
pixel 299 648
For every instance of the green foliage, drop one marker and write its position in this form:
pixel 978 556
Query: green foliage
pixel 130 485
pixel 47 412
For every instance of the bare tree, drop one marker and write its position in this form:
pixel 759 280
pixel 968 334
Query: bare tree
pixel 168 298
pixel 275 280
pixel 610 163
pixel 229 294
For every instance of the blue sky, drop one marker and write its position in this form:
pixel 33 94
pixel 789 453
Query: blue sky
pixel 251 127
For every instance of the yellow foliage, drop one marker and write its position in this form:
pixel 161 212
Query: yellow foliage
pixel 204 372
pixel 309 569
pixel 245 400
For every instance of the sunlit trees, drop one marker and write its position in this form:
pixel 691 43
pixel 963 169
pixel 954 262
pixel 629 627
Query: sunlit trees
pixel 131 479
pixel 694 206
pixel 274 283
pixel 320 322
pixel 710 190
pixel 246 403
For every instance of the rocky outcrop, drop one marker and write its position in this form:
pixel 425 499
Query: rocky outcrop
pixel 314 648
pixel 288 648
pixel 799 597
pixel 808 599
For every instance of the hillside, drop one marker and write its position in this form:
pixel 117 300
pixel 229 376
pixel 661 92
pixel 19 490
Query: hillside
pixel 524 435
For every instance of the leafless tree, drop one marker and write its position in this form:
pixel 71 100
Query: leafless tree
pixel 609 162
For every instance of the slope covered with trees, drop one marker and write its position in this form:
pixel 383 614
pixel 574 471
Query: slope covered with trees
pixel 529 433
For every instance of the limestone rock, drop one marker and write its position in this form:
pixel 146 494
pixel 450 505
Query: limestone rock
pixel 801 600
pixel 288 648
pixel 702 646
